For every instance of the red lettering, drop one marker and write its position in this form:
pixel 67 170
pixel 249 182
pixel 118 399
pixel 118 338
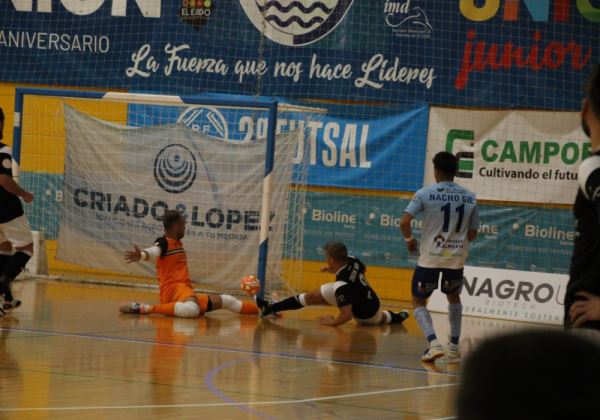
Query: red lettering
pixel 576 62
pixel 480 56
pixel 534 53
pixel 562 10
pixel 466 67
pixel 554 56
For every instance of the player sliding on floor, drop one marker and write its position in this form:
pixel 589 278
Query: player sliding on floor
pixel 350 292
pixel 177 297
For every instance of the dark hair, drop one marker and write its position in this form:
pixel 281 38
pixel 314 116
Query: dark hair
pixel 337 251
pixel 544 374
pixel 593 90
pixel 170 218
pixel 1 115
pixel 446 163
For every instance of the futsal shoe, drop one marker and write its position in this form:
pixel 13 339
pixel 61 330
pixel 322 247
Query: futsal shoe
pixel 452 352
pixel 435 351
pixel 265 307
pixel 9 306
pixel 260 302
pixel 404 314
pixel 132 308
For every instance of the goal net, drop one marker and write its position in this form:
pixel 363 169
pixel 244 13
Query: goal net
pixel 117 166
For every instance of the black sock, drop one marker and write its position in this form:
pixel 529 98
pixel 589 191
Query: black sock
pixel 16 264
pixel 209 305
pixel 286 304
pixel 397 318
pixel 5 288
pixel 3 260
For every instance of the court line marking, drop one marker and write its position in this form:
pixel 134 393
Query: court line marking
pixel 209 382
pixel 207 405
pixel 225 350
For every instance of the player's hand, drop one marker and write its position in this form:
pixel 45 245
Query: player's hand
pixel 326 320
pixel 133 256
pixel 325 269
pixel 27 196
pixel 585 310
pixel 412 246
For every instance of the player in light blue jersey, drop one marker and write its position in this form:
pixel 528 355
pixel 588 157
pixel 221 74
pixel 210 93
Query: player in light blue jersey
pixel 450 222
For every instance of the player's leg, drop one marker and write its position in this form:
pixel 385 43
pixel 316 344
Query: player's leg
pixel 18 232
pixel 187 308
pixel 380 317
pixel 452 281
pixel 389 317
pixel 230 303
pixel 323 296
pixel 5 254
pixel 424 282
pixel 6 251
pixel 177 300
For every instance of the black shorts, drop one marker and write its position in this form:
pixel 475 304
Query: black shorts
pixel 425 281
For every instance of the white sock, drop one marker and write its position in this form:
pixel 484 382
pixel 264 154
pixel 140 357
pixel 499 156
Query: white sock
pixel 231 304
pixel 186 309
pixel 455 318
pixel 423 318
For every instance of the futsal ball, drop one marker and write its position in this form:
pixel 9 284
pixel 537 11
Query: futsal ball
pixel 250 285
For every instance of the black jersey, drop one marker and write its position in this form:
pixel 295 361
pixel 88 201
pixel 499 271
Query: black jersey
pixel 10 205
pixel 356 291
pixel 585 263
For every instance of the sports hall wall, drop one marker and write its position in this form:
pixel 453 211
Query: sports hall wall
pixel 498 83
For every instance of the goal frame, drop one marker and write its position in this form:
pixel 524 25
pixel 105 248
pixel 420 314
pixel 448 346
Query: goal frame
pixel 263 104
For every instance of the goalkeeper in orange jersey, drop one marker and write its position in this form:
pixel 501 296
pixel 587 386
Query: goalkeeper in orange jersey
pixel 177 297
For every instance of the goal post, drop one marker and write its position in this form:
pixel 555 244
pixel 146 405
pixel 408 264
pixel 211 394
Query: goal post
pixel 32 124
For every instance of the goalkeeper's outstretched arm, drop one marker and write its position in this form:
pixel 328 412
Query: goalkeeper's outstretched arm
pixel 142 255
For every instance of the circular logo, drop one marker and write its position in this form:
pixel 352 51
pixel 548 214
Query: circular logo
pixel 207 120
pixel 293 23
pixel 175 168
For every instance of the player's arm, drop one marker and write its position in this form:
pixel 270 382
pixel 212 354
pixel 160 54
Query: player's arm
pixel 589 180
pixel 343 298
pixel 159 248
pixel 474 225
pixel 7 182
pixel 414 208
pixel 344 316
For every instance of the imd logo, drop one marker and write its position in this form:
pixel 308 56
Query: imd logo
pixel 296 23
pixel 407 20
pixel 460 143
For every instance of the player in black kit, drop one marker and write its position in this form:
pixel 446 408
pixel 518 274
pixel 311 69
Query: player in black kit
pixel 582 299
pixel 16 244
pixel 350 292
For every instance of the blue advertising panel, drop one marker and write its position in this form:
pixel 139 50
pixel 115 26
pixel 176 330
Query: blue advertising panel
pixel 347 147
pixel 510 237
pixel 493 53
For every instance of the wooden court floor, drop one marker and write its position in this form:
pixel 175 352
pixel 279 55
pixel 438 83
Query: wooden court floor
pixel 68 353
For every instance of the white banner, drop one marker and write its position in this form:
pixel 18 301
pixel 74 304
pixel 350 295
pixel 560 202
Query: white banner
pixel 526 156
pixel 120 180
pixel 509 294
